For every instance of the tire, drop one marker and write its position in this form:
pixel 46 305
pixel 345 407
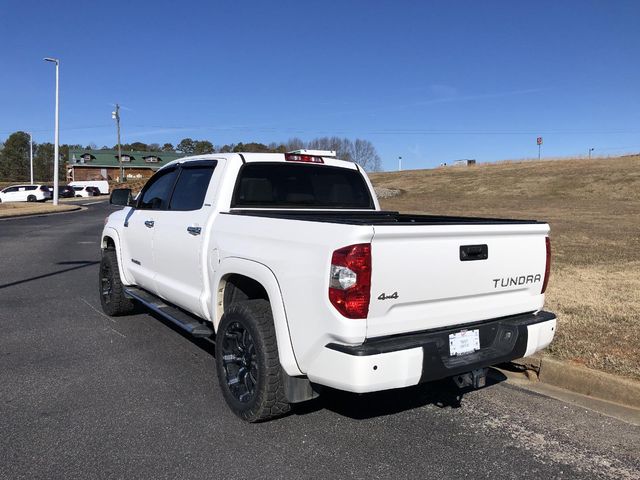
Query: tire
pixel 112 297
pixel 247 362
pixel 31 198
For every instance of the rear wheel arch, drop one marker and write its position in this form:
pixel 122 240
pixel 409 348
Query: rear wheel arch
pixel 239 280
pixel 238 288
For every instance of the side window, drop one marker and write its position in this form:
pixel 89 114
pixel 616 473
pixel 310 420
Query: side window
pixel 156 193
pixel 31 187
pixel 10 189
pixel 191 188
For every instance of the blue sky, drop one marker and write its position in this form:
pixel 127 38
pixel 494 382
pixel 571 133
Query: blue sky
pixel 429 81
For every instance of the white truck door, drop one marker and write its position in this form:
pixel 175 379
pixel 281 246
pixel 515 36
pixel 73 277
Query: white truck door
pixel 140 227
pixel 179 235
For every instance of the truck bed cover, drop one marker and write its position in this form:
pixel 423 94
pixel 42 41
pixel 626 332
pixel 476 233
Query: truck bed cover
pixel 376 217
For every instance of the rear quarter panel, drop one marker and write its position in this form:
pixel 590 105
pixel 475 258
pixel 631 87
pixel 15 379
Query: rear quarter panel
pixel 299 255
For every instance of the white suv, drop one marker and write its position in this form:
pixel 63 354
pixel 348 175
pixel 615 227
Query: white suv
pixel 25 193
pixel 85 190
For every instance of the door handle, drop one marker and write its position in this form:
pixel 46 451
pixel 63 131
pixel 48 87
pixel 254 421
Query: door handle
pixel 149 223
pixel 194 230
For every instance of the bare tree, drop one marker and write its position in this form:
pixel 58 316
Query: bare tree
pixel 294 143
pixel 364 154
pixel 342 146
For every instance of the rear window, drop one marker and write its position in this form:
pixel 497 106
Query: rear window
pixel 295 185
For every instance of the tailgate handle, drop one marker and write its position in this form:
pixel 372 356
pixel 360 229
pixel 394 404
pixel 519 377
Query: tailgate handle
pixel 473 252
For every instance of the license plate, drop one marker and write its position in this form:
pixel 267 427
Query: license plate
pixel 466 341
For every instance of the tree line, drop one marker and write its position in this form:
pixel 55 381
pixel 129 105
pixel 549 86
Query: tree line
pixel 14 152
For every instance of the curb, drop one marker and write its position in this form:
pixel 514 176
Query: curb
pixel 583 380
pixel 42 214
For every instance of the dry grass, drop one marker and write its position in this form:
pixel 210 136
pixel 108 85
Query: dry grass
pixel 28 208
pixel 593 207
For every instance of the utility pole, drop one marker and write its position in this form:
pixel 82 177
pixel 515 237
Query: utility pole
pixel 591 150
pixel 116 116
pixel 31 155
pixel 399 164
pixel 56 148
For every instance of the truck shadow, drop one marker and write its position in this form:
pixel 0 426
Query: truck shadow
pixel 441 393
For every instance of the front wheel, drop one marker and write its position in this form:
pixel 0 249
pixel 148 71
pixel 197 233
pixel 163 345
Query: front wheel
pixel 112 297
pixel 247 362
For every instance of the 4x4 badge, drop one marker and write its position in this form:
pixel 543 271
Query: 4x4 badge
pixel 384 296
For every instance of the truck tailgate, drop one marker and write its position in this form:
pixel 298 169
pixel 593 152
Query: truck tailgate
pixel 421 280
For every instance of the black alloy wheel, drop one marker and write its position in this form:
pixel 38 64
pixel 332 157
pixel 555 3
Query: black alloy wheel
pixel 247 362
pixel 106 289
pixel 239 362
pixel 114 301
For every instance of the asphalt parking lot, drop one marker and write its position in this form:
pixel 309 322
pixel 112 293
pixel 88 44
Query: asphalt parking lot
pixel 84 396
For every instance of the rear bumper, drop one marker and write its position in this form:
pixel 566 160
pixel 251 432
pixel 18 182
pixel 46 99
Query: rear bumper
pixel 404 360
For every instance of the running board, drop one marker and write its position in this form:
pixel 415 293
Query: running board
pixel 186 321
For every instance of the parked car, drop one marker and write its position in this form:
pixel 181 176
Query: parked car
pixel 84 191
pixel 305 281
pixel 25 193
pixel 101 185
pixel 64 191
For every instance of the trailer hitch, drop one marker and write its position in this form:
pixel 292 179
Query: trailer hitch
pixel 476 378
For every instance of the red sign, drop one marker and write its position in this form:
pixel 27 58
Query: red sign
pixel 539 140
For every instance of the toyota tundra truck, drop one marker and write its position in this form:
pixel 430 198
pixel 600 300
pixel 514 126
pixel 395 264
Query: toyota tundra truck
pixel 288 264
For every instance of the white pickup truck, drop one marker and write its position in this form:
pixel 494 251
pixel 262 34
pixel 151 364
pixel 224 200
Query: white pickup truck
pixel 287 262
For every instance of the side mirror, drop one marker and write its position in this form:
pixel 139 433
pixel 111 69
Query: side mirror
pixel 122 197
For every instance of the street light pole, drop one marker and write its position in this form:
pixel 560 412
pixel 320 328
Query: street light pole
pixel 56 148
pixel 31 155
pixel 116 116
pixel 591 150
pixel 399 164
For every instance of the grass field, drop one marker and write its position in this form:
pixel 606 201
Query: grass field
pixel 593 207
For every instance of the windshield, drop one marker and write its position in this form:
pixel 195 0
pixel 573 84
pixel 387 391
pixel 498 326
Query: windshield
pixel 299 185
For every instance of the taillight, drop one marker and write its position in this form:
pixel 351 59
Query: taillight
pixel 296 157
pixel 350 280
pixel 547 268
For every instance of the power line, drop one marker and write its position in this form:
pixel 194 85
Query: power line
pixel 384 131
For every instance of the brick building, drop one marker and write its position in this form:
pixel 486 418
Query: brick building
pixel 103 164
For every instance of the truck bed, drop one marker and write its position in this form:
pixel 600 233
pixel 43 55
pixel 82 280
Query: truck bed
pixel 422 277
pixel 374 218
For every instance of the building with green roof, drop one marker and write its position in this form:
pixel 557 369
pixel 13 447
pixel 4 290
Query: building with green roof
pixel 104 165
